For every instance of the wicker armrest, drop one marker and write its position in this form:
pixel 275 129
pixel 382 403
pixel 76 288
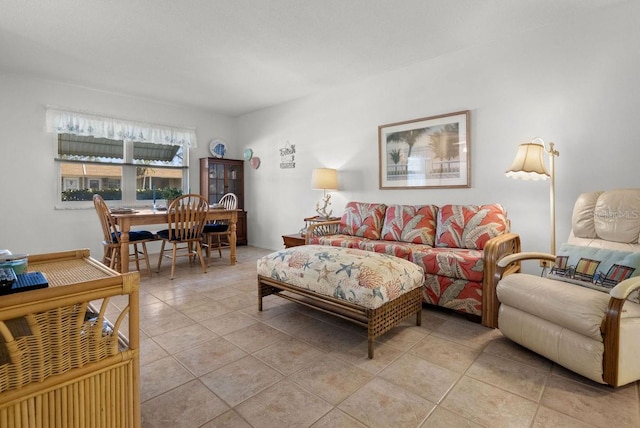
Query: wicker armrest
pixel 321 229
pixel 494 250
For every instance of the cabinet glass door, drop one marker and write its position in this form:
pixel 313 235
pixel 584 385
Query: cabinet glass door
pixel 216 183
pixel 234 180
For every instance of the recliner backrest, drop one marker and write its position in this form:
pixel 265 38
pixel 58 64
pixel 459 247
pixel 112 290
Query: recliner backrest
pixel 609 219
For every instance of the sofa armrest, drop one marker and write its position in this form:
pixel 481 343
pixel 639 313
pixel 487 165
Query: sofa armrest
pixel 321 229
pixel 494 250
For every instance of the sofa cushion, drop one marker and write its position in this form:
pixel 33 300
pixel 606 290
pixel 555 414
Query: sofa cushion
pixel 453 263
pixel 346 241
pixel 362 219
pixel 398 249
pixel 410 223
pixel 469 226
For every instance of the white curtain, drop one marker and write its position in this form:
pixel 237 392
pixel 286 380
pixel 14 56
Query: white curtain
pixel 70 122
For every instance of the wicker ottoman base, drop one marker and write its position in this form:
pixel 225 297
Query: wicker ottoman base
pixel 378 320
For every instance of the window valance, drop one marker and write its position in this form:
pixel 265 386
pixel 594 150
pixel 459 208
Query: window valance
pixel 70 122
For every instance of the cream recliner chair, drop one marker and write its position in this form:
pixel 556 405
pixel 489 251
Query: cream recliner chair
pixel 588 331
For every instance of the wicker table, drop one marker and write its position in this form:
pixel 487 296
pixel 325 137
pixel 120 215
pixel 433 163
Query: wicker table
pixel 58 368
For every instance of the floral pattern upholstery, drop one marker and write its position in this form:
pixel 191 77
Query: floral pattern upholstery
pixel 361 277
pixel 362 219
pixel 446 242
pixel 469 226
pixel 454 263
pixel 408 223
pixel 398 249
pixel 340 240
pixel 458 294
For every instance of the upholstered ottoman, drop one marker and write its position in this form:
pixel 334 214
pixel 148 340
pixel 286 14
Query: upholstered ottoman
pixel 377 291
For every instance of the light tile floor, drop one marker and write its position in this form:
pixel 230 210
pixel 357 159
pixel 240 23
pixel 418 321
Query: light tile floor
pixel 210 359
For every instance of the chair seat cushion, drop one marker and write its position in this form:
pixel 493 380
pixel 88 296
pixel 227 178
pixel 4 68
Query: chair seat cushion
pixel 138 235
pixel 170 235
pixel 215 228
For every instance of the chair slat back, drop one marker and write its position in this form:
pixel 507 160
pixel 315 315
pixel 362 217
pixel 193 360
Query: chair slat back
pixel 109 228
pixel 186 217
pixel 229 201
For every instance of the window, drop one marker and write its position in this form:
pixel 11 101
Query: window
pixel 116 169
pixel 121 160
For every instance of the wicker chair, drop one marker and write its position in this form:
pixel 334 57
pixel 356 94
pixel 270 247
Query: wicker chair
pixel 218 229
pixel 111 242
pixel 186 218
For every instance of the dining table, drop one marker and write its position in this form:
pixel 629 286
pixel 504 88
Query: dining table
pixel 143 217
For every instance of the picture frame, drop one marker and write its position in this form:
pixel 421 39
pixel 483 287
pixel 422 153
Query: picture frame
pixel 428 153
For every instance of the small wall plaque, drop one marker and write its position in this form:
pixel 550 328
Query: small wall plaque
pixel 288 156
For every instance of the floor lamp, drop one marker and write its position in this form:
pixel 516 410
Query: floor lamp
pixel 529 165
pixel 325 179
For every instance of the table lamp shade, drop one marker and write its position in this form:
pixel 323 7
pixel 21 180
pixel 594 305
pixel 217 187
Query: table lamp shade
pixel 324 178
pixel 528 164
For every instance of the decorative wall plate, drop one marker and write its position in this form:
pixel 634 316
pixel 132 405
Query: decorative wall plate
pixel 218 148
pixel 248 154
pixel 255 163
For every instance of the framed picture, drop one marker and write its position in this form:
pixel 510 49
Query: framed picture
pixel 428 153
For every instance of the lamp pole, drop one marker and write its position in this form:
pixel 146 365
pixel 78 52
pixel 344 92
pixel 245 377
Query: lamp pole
pixel 552 194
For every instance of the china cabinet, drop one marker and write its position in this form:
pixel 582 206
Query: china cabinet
pixel 219 176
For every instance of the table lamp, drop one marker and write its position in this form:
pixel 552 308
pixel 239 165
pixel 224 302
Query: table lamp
pixel 529 165
pixel 325 179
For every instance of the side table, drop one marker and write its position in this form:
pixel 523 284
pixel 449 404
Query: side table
pixel 293 240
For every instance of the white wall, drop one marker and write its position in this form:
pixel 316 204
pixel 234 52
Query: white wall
pixel 576 84
pixel 29 222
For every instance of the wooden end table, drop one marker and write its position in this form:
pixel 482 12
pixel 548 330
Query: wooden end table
pixel 293 240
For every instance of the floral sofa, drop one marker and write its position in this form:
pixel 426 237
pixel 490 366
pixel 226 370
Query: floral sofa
pixel 456 245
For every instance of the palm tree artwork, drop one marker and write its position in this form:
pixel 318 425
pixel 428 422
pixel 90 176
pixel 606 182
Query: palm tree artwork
pixel 438 145
pixel 408 137
pixel 444 145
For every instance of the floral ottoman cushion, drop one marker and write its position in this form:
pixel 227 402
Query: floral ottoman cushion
pixel 360 277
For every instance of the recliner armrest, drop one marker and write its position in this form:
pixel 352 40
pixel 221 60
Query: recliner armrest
pixel 531 255
pixel 626 287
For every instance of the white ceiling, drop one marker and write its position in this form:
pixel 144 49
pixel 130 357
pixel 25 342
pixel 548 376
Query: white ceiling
pixel 238 56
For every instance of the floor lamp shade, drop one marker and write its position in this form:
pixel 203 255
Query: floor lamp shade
pixel 529 163
pixel 324 178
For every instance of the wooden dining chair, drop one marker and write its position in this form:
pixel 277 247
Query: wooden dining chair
pixel 218 229
pixel 111 241
pixel 187 215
